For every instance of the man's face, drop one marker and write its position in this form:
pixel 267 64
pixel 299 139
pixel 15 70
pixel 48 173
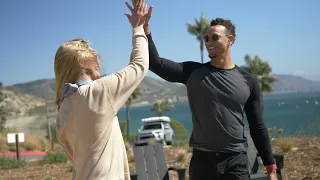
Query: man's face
pixel 217 41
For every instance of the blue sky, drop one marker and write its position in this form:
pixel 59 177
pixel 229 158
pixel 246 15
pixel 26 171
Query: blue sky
pixel 286 33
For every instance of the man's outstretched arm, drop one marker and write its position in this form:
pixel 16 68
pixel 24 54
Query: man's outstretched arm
pixel 258 130
pixel 168 69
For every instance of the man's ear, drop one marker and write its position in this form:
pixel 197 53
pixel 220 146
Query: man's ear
pixel 231 39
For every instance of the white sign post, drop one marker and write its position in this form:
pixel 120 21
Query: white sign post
pixel 11 137
pixel 16 138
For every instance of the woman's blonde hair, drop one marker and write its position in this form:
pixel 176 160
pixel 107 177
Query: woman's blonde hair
pixel 68 60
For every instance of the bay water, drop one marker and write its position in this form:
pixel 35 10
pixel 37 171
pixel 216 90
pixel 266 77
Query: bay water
pixel 298 114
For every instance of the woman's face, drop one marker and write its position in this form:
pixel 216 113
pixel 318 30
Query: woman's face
pixel 91 69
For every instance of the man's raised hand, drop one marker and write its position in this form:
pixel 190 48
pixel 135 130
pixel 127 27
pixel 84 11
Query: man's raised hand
pixel 146 26
pixel 148 16
pixel 138 13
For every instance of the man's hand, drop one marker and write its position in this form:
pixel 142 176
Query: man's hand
pixel 272 175
pixel 138 12
pixel 146 24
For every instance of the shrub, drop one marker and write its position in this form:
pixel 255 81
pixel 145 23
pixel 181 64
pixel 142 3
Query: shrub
pixel 3 144
pixel 53 129
pixel 56 158
pixel 180 158
pixel 286 146
pixel 123 128
pixel 47 178
pixel 7 163
pixel 32 143
pixel 3 121
pixel 69 169
pixel 180 132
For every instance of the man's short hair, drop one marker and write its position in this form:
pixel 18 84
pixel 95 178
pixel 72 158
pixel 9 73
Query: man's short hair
pixel 231 28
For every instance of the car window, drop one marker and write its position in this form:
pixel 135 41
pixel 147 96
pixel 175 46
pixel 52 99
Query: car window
pixel 167 126
pixel 151 126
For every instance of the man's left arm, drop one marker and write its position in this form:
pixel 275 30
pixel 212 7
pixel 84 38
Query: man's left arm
pixel 258 130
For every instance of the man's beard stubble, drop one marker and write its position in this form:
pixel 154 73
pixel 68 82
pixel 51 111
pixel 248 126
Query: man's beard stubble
pixel 212 56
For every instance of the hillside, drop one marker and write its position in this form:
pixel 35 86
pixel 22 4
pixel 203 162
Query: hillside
pixel 44 88
pixel 295 84
pixel 153 89
pixel 13 103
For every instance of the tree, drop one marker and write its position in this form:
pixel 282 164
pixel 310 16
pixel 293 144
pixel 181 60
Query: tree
pixel 53 131
pixel 1 85
pixel 260 70
pixel 135 95
pixel 160 106
pixel 179 130
pixel 3 121
pixel 199 30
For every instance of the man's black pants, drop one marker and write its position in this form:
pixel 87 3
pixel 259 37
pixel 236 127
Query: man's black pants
pixel 218 166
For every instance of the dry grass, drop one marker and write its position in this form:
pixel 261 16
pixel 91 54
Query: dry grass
pixel 285 145
pixel 38 170
pixel 31 143
pixel 301 161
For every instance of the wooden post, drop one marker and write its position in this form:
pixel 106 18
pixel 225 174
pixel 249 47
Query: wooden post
pixel 17 147
pixel 52 146
pixel 49 128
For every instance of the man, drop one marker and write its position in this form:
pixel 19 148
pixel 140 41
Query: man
pixel 87 123
pixel 219 93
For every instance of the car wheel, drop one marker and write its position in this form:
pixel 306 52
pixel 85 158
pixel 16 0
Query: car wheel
pixel 164 141
pixel 171 142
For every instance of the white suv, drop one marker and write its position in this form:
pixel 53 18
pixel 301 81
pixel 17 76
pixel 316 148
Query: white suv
pixel 155 129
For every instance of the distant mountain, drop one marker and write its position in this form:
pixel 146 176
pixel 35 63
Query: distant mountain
pixel 290 83
pixel 153 89
pixel 44 88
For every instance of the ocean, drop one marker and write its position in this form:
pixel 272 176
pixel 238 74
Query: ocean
pixel 298 114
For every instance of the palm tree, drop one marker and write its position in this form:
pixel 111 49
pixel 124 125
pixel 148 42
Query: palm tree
pixel 135 95
pixel 260 70
pixel 160 106
pixel 199 30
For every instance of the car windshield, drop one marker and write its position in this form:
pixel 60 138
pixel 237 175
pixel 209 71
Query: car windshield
pixel 151 126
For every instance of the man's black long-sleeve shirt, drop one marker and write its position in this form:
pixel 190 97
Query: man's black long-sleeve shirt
pixel 218 99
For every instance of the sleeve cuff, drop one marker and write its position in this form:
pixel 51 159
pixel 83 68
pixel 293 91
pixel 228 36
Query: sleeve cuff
pixel 138 31
pixel 149 36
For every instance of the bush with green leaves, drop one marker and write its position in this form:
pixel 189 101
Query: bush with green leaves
pixel 181 135
pixel 8 163
pixel 123 127
pixel 56 158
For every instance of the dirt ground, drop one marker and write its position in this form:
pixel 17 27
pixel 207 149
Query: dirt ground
pixel 302 162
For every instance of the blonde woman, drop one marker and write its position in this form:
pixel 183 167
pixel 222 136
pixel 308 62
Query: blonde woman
pixel 87 123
